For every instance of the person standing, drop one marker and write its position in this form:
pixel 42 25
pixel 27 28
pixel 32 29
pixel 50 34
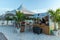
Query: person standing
pixel 22 26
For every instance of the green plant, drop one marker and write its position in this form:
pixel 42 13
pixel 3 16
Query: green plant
pixel 20 16
pixel 55 16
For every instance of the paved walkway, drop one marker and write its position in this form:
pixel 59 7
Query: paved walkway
pixel 11 34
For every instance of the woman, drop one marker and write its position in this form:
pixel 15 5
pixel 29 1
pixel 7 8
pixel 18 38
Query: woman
pixel 22 26
pixel 45 20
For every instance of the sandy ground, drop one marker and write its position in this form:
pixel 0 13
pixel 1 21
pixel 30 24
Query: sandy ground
pixel 2 36
pixel 12 34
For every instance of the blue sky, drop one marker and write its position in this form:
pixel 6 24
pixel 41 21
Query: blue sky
pixel 32 5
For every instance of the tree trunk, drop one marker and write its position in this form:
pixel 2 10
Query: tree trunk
pixel 11 21
pixel 59 25
pixel 55 26
pixel 20 24
pixel 7 22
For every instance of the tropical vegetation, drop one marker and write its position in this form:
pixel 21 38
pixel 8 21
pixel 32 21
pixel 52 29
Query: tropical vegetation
pixel 9 17
pixel 55 16
pixel 19 17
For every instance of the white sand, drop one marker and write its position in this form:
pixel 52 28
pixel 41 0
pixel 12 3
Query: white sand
pixel 11 34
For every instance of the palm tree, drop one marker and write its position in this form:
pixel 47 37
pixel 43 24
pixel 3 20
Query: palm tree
pixel 20 17
pixel 8 17
pixel 58 11
pixel 55 16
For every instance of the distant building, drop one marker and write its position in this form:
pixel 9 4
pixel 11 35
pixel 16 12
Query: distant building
pixel 40 15
pixel 22 9
pixel 13 12
pixel 26 12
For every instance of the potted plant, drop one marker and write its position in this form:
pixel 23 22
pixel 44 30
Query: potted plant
pixel 20 17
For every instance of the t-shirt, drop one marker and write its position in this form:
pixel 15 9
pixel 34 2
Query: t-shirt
pixel 23 23
pixel 43 20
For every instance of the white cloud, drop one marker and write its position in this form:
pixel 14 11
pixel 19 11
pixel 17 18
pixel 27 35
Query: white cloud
pixel 45 9
pixel 39 10
pixel 3 10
